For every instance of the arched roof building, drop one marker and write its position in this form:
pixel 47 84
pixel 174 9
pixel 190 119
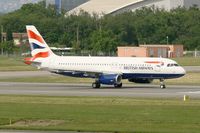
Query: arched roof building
pixel 102 7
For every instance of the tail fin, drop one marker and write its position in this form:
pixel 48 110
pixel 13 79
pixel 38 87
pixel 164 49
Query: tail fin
pixel 39 48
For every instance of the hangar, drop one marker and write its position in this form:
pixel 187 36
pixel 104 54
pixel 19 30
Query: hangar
pixel 102 7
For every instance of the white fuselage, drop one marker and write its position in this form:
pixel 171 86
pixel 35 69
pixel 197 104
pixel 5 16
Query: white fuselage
pixel 115 65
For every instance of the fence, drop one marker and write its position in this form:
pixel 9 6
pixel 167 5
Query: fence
pixel 192 53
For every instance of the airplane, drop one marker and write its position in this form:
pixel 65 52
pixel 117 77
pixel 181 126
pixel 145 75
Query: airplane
pixel 105 70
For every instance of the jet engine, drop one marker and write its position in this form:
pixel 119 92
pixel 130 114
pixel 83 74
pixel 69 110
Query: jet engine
pixel 110 79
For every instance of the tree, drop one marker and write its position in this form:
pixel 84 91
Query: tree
pixel 8 47
pixel 103 41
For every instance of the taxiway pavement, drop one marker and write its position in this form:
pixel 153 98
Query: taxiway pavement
pixel 129 90
pixel 192 68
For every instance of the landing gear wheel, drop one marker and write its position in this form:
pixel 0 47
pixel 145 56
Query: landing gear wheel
pixel 96 85
pixel 162 84
pixel 118 85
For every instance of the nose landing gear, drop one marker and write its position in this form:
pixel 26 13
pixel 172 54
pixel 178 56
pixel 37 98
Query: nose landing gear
pixel 162 84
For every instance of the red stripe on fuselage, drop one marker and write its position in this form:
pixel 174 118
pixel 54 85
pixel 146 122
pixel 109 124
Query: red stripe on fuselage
pixel 32 35
pixel 153 62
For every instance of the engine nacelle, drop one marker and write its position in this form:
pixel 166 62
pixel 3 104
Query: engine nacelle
pixel 110 79
pixel 141 80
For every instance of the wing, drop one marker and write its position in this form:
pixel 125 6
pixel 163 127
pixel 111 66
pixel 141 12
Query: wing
pixel 88 73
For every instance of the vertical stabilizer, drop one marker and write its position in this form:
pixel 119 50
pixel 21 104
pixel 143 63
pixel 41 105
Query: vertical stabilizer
pixel 39 48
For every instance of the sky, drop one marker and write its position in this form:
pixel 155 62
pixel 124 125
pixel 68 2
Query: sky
pixel 11 5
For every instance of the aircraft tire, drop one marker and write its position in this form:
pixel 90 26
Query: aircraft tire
pixel 118 85
pixel 96 85
pixel 162 86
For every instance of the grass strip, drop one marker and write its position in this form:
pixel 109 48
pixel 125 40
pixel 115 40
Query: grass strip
pixel 188 61
pixel 100 114
pixel 14 64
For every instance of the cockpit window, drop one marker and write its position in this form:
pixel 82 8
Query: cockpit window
pixel 171 65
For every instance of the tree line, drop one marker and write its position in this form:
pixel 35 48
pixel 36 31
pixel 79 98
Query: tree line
pixel 103 34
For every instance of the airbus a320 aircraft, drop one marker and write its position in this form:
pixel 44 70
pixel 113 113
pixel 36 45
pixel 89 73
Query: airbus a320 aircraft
pixel 105 70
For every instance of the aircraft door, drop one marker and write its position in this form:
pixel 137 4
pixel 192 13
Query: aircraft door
pixel 157 68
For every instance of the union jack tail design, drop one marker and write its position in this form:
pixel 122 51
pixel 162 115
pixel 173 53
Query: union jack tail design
pixel 39 48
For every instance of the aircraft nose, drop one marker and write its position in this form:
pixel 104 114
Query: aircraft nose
pixel 182 71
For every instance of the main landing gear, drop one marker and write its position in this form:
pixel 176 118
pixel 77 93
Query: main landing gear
pixel 162 84
pixel 96 84
pixel 118 85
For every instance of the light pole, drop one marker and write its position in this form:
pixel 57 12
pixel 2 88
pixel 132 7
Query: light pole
pixel 167 40
pixel 2 40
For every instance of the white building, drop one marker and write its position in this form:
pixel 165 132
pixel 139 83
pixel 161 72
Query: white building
pixel 102 7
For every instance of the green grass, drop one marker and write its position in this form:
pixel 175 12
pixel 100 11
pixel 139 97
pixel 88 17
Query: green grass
pixel 102 114
pixel 188 79
pixel 188 61
pixel 48 79
pixel 13 64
